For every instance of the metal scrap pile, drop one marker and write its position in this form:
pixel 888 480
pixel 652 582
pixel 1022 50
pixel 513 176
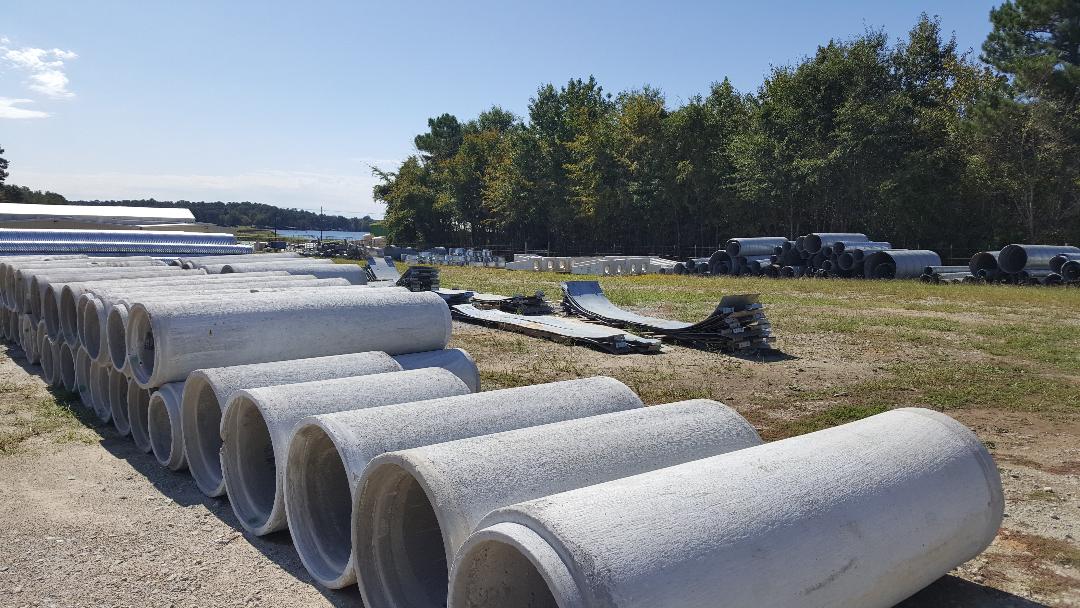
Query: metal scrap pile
pixel 738 323
pixel 420 278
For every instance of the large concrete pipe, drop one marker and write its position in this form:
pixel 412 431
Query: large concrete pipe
pixel 415 508
pixel 257 424
pixel 1014 258
pixel 762 245
pixel 164 428
pixel 66 363
pixel 1057 261
pixel 167 341
pixel 40 282
pixel 49 358
pixel 329 452
pixel 99 390
pixel 118 406
pixel 351 272
pixel 138 404
pixel 72 292
pixel 815 242
pixel 82 377
pixel 112 334
pixel 858 516
pixel 20 279
pixel 13 267
pixel 208 390
pixel 280 264
pixel 899 263
pixel 200 260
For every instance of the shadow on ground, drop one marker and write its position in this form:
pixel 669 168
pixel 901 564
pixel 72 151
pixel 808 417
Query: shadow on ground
pixel 954 592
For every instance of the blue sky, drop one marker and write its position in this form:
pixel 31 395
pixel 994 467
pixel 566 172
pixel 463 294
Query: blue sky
pixel 289 103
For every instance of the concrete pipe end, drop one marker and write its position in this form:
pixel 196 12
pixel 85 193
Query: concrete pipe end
pixel 90 327
pixel 116 335
pixel 138 404
pixel 249 466
pixel 99 391
pixel 142 345
pixel 508 564
pixel 66 364
pixel 163 429
pixel 118 385
pixel 200 412
pixel 319 507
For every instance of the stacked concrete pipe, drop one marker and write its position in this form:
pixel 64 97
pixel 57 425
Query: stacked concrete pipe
pixel 19 277
pixel 169 340
pixel 164 428
pixel 329 452
pixel 415 508
pixel 208 391
pixel 285 265
pixel 138 413
pixel 750 526
pixel 66 363
pixel 257 423
pixel 118 403
pixel 198 261
pixel 41 281
pixel 351 272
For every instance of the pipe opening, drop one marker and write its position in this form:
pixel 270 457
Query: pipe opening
pixel 1012 258
pixel 138 401
pixel 69 313
pixel 116 335
pixel 48 363
pixel 495 574
pixel 82 377
pixel 51 313
pixel 141 345
pixel 99 391
pixel 407 553
pixel 90 330
pixel 118 385
pixel 159 429
pixel 205 435
pixel 320 501
pixel 67 366
pixel 251 464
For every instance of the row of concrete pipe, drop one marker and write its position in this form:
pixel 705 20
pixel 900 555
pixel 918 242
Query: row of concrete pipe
pixel 337 412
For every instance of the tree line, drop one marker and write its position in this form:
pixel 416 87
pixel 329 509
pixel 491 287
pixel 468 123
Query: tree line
pixel 914 141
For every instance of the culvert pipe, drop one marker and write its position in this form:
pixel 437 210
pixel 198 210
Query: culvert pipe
pixel 118 405
pixel 19 279
pixel 257 423
pixel 164 427
pixel 167 341
pixel 112 334
pixel 899 263
pixel 278 264
pixel 50 368
pixel 208 390
pixel 70 294
pixel 1070 271
pixel 790 271
pixel 839 247
pixel 984 261
pixel 720 262
pixel 66 364
pixel 815 241
pixel 946 269
pixel 816 520
pixel 353 273
pixel 1058 260
pixel 39 283
pixel 82 377
pixel 333 450
pixel 99 390
pixel 762 245
pixel 10 268
pixel 1014 258
pixel 195 261
pixel 416 507
pixel 138 404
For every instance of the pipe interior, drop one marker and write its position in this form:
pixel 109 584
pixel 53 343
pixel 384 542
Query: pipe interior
pixel 51 314
pixel 408 550
pixel 206 456
pixel 138 401
pixel 497 575
pixel 90 331
pixel 322 495
pixel 118 385
pixel 68 313
pixel 253 464
pixel 117 336
pixel 142 330
pixel 67 366
pixel 1012 259
pixel 159 428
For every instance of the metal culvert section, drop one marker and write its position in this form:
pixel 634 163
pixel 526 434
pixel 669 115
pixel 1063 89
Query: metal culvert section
pixel 816 241
pixel 899 263
pixel 1014 258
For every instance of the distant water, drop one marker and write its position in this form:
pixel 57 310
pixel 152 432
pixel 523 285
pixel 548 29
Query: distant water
pixel 336 235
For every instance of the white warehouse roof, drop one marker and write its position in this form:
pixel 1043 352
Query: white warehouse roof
pixel 18 212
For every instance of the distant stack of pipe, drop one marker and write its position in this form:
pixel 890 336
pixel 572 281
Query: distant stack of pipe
pixel 336 412
pixel 18 241
pixel 1028 265
pixel 821 255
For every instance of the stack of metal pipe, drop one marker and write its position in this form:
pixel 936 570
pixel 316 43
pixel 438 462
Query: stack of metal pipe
pixel 18 241
pixel 1019 264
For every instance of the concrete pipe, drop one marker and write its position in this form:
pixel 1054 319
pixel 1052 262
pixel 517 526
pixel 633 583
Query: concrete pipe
pixel 118 405
pixel 22 277
pixel 415 508
pixel 858 516
pixel 28 339
pixel 1014 258
pixel 1070 271
pixel 13 268
pixel 50 360
pixel 257 424
pixel 899 263
pixel 814 242
pixel 1058 260
pixel 353 273
pixel 99 390
pixel 40 282
pixel 72 292
pixel 82 377
pixel 66 365
pixel 763 245
pixel 138 404
pixel 164 428
pixel 195 261
pixel 329 452
pixel 279 264
pixel 208 390
pixel 167 341
pixel 112 334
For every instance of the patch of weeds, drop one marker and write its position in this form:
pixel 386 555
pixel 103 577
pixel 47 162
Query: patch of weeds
pixel 1044 495
pixel 491 379
pixel 1053 344
pixel 46 416
pixel 834 416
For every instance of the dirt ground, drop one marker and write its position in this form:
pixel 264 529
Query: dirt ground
pixel 88 520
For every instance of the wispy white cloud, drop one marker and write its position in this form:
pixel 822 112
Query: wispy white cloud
pixel 343 193
pixel 44 66
pixel 8 109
